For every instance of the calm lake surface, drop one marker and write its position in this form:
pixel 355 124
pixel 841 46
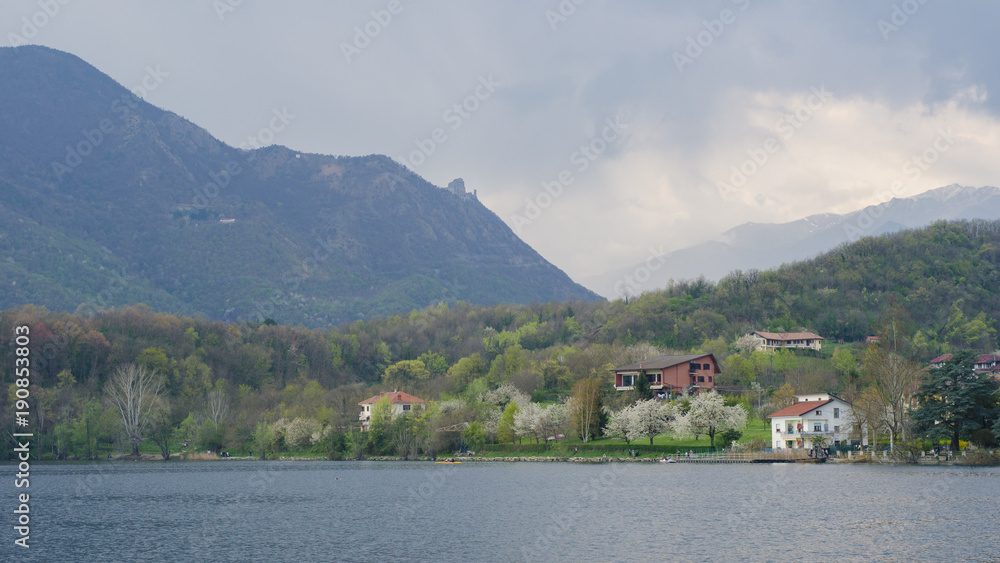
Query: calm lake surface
pixel 364 511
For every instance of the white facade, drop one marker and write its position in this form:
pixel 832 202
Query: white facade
pixel 397 409
pixel 828 417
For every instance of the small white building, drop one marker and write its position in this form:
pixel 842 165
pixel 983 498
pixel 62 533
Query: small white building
pixel 816 415
pixel 401 403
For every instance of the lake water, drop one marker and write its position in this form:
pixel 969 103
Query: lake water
pixel 364 511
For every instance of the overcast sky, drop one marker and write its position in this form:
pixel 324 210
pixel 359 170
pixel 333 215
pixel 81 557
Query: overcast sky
pixel 636 115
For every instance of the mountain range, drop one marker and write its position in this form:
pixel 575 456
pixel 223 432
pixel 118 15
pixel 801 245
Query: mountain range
pixel 768 245
pixel 107 200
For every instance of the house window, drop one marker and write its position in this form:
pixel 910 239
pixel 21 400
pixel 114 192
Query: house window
pixel 817 427
pixel 819 413
pixel 836 429
pixel 406 407
pixel 695 366
pixel 710 379
pixel 836 413
pixel 706 367
pixel 777 427
pixel 701 379
pixel 628 380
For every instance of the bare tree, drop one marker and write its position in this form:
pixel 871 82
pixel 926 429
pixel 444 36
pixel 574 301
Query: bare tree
pixel 218 406
pixel 134 392
pixel 895 380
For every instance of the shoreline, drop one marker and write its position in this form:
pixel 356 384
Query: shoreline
pixel 928 461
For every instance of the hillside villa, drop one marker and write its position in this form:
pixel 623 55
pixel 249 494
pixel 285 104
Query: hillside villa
pixel 402 403
pixel 811 416
pixel 670 374
pixel 985 363
pixel 770 341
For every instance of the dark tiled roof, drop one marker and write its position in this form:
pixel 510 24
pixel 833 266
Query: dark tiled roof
pixel 663 362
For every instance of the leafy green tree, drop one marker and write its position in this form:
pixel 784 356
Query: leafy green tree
pixel 641 390
pixel 727 437
pixel 405 372
pixel 465 371
pixel 435 363
pixel 380 426
pixel 955 400
pixel 264 439
pixel 505 428
pixel 475 436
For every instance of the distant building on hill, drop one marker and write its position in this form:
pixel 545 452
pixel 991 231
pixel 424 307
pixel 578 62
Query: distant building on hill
pixel 940 360
pixel 402 403
pixel 814 418
pixel 670 374
pixel 770 341
pixel 457 187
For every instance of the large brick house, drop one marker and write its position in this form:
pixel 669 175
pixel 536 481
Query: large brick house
pixel 670 374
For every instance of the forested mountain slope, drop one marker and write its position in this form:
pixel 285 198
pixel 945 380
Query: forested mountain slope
pixel 106 200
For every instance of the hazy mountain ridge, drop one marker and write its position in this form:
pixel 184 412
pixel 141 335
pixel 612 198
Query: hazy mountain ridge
pixel 317 239
pixel 767 245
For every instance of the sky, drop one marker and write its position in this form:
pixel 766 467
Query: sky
pixel 600 132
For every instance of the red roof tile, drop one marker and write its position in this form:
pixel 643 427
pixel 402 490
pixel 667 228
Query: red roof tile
pixel 799 409
pixel 941 358
pixel 394 397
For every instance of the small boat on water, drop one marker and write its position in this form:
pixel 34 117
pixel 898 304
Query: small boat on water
pixel 668 460
pixel 448 461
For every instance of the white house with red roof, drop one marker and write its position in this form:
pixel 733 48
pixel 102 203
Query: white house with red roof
pixel 401 403
pixel 770 341
pixel 815 415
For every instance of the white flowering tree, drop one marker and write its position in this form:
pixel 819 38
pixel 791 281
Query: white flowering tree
pixel 526 420
pixel 537 421
pixel 618 424
pixel 505 394
pixel 709 415
pixel 647 419
pixel 299 432
pixel 552 418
